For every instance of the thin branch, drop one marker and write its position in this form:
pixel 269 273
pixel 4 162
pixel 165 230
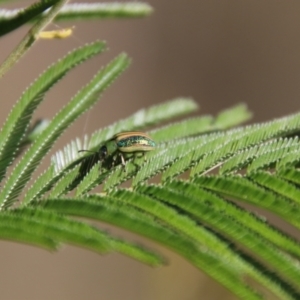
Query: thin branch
pixel 30 38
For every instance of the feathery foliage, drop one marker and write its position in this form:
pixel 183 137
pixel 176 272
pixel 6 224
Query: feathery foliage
pixel 188 194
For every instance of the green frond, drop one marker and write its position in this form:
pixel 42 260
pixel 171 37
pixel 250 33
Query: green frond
pixel 84 99
pixel 105 209
pixel 15 127
pixel 50 225
pixel 206 219
pixel 144 118
pixel 13 19
pixel 288 160
pixel 175 220
pixel 169 154
pixel 232 117
pixel 183 129
pixel 290 174
pixel 69 157
pixel 228 209
pixel 62 187
pixel 16 229
pixel 46 229
pixel 75 11
pixel 277 185
pixel 202 218
pixel 203 124
pixel 57 228
pixel 127 217
pixel 193 151
pixel 63 229
pixel 115 211
pixel 242 189
pixel 41 185
pixel 233 141
pixel 211 149
pixel 140 119
pixel 271 156
pixel 188 227
pixel 260 156
pixel 199 205
pixel 138 252
pixel 89 181
pixel 165 157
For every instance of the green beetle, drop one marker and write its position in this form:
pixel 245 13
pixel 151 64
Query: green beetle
pixel 125 144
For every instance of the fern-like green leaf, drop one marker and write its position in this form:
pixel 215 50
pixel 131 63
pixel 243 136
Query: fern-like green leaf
pixel 199 204
pixel 138 252
pixel 181 190
pixel 144 118
pixel 104 209
pixel 81 102
pixel 189 127
pixel 290 174
pixel 46 229
pixel 232 117
pixel 291 159
pixel 155 162
pixel 277 185
pixel 18 229
pixel 184 224
pixel 68 157
pixel 18 120
pixel 104 10
pixel 58 228
pixel 63 185
pixel 272 156
pixel 138 120
pixel 116 211
pixel 183 128
pixel 233 141
pixel 42 185
pixel 89 181
pixel 167 154
pixel 75 11
pixel 260 156
pixel 243 189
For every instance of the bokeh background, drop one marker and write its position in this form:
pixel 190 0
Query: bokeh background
pixel 218 52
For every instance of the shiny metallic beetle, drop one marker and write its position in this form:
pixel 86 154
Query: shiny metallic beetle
pixel 124 144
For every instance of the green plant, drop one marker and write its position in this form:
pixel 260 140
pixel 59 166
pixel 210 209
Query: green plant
pixel 199 216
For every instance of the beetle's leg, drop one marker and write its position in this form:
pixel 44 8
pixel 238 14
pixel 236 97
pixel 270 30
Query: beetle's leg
pixel 123 161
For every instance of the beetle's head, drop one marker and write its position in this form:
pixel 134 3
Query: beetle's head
pixel 103 152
